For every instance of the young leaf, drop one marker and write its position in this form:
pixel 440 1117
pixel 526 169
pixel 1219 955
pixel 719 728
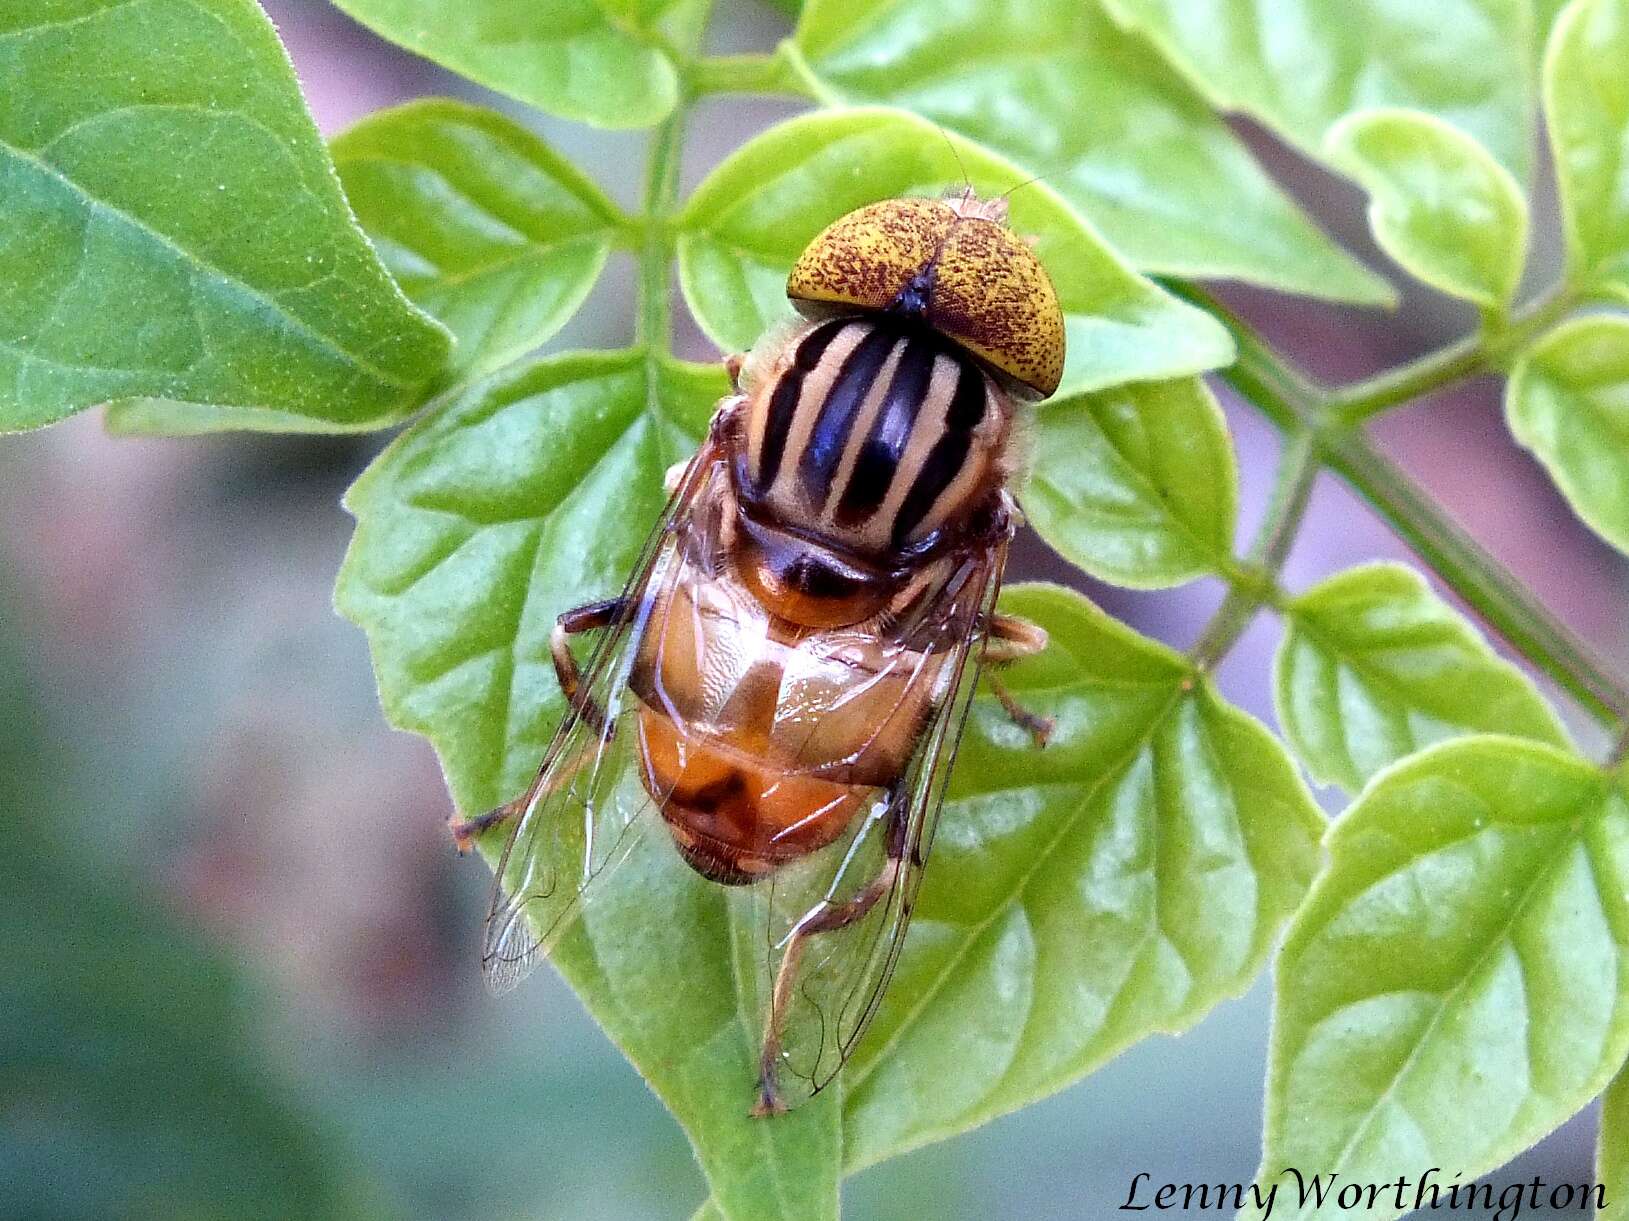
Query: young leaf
pixel 1119 882
pixel 1373 666
pixel 483 224
pixel 1110 126
pixel 572 60
pixel 1586 101
pixel 1449 213
pixel 529 493
pixel 1568 402
pixel 172 227
pixel 1136 484
pixel 1301 69
pixel 1455 985
pixel 1612 1148
pixel 746 224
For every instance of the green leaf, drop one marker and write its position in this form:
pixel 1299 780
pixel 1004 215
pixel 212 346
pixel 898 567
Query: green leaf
pixel 172 227
pixel 529 493
pixel 484 225
pixel 1568 402
pixel 532 492
pixel 172 418
pixel 1612 1149
pixel 1373 666
pixel 1120 882
pixel 1137 484
pixel 1586 102
pixel 1055 86
pixel 1455 985
pixel 746 224
pixel 679 24
pixel 1449 213
pixel 573 59
pixel 1299 68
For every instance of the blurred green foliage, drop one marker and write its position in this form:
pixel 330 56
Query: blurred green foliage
pixel 131 1083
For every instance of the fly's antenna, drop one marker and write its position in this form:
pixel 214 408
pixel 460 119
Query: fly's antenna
pixel 967 180
pixel 1018 186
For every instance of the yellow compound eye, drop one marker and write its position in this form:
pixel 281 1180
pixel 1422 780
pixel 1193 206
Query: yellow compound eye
pixel 952 263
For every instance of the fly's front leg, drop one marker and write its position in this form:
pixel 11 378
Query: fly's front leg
pixel 579 619
pixel 1009 639
pixel 827 918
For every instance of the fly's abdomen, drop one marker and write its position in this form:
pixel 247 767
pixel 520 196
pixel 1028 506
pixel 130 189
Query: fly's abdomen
pixel 874 434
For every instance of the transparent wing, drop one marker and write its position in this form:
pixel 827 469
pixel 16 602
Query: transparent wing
pixel 587 809
pixel 842 973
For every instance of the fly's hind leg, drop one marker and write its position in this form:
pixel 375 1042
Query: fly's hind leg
pixel 579 619
pixel 826 918
pixel 1009 639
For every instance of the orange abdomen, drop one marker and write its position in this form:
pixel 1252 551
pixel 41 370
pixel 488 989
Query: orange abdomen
pixel 761 742
pixel 734 817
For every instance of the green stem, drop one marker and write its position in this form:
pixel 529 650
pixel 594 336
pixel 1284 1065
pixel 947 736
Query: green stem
pixel 1479 353
pixel 759 73
pixel 1618 756
pixel 1292 491
pixel 1255 583
pixel 1406 383
pixel 654 325
pixel 1460 561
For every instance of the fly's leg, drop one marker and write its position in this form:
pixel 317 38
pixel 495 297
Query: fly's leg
pixel 733 364
pixel 827 918
pixel 579 619
pixel 1009 639
pixel 465 831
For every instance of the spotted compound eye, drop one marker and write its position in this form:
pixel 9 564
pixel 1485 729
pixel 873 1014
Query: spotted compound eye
pixel 954 264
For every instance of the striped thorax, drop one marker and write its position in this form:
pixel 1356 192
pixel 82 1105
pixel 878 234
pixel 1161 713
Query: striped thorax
pixel 873 434
pixel 877 437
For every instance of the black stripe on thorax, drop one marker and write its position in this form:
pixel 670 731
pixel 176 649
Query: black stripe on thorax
pixel 783 401
pixel 949 452
pixel 823 452
pixel 878 459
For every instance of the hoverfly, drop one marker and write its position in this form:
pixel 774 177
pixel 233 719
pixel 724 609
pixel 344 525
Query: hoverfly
pixel 783 681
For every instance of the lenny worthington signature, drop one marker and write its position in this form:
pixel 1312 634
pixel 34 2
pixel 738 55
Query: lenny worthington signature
pixel 1319 1192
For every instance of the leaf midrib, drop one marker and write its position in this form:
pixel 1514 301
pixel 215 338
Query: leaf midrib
pixel 1501 936
pixel 258 296
pixel 1042 857
pixel 1381 680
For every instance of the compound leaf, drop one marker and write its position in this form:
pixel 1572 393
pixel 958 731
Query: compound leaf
pixel 1586 101
pixel 172 227
pixel 1373 666
pixel 1455 985
pixel 574 59
pixel 1449 213
pixel 1055 86
pixel 1568 402
pixel 1135 484
pixel 483 225
pixel 1300 67
pixel 748 221
pixel 1118 883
